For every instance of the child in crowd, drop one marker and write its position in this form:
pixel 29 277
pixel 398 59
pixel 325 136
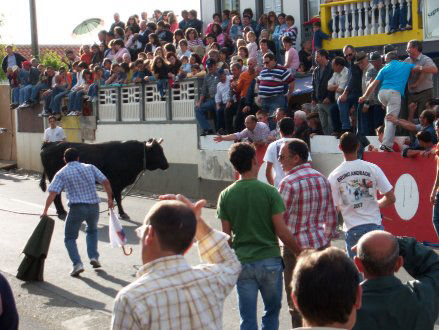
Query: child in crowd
pixel 12 75
pixel 139 73
pixel 252 46
pixel 291 56
pixel 149 56
pixel 196 72
pixel 98 81
pixel 210 39
pixel 183 49
pixel 380 133
pixel 142 56
pixel 314 125
pixel 236 28
pixel 318 36
pixel 124 72
pixel 185 66
pixel 243 53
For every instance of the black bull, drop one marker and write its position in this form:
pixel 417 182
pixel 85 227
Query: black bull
pixel 121 163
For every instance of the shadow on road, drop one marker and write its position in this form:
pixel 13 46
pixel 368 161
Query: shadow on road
pixel 99 287
pixel 70 299
pixel 11 178
pixel 102 273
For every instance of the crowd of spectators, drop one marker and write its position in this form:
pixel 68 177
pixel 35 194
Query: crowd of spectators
pixel 246 64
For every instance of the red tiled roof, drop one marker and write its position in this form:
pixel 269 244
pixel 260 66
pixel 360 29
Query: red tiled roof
pixel 26 50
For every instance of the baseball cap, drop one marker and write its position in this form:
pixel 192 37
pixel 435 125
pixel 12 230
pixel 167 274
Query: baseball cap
pixel 210 62
pixel 360 56
pixel 374 56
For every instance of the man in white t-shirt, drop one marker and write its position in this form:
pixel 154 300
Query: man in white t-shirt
pixel 354 187
pixel 54 133
pixel 286 129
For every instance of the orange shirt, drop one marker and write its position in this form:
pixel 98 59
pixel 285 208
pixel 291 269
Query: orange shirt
pixel 244 82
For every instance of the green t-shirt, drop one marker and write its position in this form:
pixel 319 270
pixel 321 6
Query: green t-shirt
pixel 249 206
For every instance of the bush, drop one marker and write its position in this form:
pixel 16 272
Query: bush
pixel 2 56
pixel 51 58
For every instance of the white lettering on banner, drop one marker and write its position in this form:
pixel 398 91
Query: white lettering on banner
pixel 431 20
pixel 407 197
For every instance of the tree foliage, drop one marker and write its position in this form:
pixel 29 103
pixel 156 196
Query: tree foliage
pixel 53 59
pixel 2 56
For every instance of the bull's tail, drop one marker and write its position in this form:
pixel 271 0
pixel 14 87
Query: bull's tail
pixel 43 182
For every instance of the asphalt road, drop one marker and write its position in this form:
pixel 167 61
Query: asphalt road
pixel 63 302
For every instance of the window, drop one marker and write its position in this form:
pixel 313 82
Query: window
pixel 230 4
pixel 272 5
pixel 313 8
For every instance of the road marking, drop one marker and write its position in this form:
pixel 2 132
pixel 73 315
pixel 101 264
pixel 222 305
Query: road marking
pixel 39 206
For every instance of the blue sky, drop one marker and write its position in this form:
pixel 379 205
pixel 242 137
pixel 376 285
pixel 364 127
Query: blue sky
pixel 57 19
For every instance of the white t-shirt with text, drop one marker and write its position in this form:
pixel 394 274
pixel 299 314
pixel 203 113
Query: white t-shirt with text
pixel 354 186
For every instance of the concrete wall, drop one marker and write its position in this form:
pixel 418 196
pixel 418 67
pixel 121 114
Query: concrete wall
pixel 28 151
pixel 7 120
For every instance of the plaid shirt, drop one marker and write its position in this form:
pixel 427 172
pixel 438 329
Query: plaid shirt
pixel 78 180
pixel 171 294
pixel 259 134
pixel 310 214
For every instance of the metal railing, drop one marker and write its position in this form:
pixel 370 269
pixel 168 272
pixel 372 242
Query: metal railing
pixel 363 23
pixel 142 102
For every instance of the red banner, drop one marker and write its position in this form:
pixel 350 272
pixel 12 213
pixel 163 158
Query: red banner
pixel 412 179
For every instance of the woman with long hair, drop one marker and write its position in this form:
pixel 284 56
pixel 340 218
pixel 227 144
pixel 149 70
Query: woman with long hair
pixel 236 28
pixel 172 20
pixel 132 23
pixel 153 43
pixel 193 40
pixel 217 31
pixel 178 35
pixel 161 74
pixel 272 22
pixel 216 20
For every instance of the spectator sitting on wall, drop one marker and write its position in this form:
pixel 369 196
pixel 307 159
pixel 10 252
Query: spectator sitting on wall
pixel 11 59
pixel 305 54
pixel 300 126
pixel 426 120
pixel 314 126
pixel 425 142
pixel 256 132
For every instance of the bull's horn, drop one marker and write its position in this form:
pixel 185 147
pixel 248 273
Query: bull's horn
pixel 160 141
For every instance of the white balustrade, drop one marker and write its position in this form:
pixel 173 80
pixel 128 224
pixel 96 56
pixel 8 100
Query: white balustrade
pixel 155 108
pixel 409 13
pixel 107 104
pixel 334 26
pixel 367 11
pixel 354 19
pixel 340 27
pixel 130 97
pixel 347 33
pixel 183 100
pixel 361 13
pixel 381 9
pixel 386 12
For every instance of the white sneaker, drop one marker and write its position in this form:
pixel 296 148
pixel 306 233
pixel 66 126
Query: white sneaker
pixel 95 263
pixel 77 269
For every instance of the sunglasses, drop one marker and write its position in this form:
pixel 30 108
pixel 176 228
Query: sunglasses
pixel 349 55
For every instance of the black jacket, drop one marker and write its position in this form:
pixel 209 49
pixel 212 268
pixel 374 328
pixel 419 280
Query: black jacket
pixel 320 84
pixel 18 58
pixel 354 81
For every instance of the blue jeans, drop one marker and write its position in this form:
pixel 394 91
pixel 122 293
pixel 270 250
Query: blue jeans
pixel 354 234
pixel 270 104
pixel 55 105
pixel 436 215
pixel 264 276
pixel 220 122
pixel 343 108
pixel 93 90
pixel 15 95
pixel 162 85
pixel 37 89
pixel 25 93
pixel 75 101
pixel 200 113
pixel 399 18
pixel 77 214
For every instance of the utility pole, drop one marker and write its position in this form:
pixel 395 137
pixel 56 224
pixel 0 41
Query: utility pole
pixel 33 29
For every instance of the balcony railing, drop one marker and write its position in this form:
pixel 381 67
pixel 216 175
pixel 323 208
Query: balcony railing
pixel 142 102
pixel 362 23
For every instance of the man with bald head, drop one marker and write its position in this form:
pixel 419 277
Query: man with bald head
pixel 388 303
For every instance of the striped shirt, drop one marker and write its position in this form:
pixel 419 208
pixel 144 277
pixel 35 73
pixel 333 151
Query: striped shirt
pixel 78 180
pixel 310 214
pixel 171 294
pixel 274 82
